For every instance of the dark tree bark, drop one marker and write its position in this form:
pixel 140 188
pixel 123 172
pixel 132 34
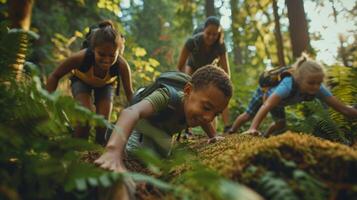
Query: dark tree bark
pixel 237 51
pixel 209 8
pixel 20 13
pixel 278 36
pixel 297 27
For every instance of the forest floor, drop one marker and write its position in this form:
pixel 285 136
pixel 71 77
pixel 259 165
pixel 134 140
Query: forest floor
pixel 301 165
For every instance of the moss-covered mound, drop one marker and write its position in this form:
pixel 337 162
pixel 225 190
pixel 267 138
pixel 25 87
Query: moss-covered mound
pixel 333 161
pixel 302 165
pixel 288 166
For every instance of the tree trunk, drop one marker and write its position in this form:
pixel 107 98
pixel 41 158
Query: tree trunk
pixel 278 36
pixel 297 27
pixel 237 51
pixel 20 17
pixel 20 13
pixel 209 8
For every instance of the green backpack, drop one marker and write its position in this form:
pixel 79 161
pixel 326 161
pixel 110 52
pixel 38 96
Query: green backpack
pixel 173 81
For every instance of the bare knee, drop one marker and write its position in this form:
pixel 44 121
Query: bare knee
pixel 85 100
pixel 280 124
pixel 104 107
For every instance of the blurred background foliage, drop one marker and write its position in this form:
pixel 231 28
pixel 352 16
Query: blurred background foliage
pixel 35 125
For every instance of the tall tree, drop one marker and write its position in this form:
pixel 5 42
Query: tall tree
pixel 209 8
pixel 237 52
pixel 299 34
pixel 20 13
pixel 279 38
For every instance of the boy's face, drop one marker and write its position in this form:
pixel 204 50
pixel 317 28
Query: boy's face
pixel 202 105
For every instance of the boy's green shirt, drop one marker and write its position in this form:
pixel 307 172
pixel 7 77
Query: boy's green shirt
pixel 174 120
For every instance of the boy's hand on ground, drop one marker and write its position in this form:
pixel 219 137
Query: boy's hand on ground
pixel 111 160
pixel 214 139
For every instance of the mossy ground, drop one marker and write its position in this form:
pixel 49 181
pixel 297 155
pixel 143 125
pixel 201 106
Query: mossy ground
pixel 329 166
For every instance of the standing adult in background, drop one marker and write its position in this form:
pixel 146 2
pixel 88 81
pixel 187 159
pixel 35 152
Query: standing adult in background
pixel 203 48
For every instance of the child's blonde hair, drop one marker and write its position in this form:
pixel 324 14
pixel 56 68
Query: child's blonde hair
pixel 304 65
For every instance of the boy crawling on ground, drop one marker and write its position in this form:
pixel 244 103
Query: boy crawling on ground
pixel 203 98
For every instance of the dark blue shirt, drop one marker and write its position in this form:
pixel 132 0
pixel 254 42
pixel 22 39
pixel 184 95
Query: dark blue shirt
pixel 199 56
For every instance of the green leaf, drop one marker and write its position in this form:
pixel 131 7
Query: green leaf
pixel 105 180
pixel 149 179
pixel 93 181
pixel 235 191
pixel 81 184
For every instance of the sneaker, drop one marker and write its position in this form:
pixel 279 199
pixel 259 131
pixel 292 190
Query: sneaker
pixel 187 134
pixel 227 128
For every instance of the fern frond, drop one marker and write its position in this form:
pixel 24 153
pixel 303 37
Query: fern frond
pixel 14 45
pixel 342 81
pixel 275 188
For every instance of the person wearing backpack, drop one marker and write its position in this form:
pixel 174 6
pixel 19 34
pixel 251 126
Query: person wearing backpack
pixel 206 46
pixel 303 84
pixel 152 121
pixel 95 69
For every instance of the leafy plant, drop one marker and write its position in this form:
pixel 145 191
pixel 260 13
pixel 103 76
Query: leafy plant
pixel 39 159
pixel 343 85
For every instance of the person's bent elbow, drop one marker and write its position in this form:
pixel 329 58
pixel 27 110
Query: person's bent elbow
pixel 52 83
pixel 350 112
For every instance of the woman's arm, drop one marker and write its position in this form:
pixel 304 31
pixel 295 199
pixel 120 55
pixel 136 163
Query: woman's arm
pixel 65 67
pixel 125 73
pixel 182 59
pixel 112 159
pixel 223 62
pixel 337 105
pixel 268 105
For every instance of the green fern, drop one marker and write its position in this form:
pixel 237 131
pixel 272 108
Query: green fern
pixel 37 151
pixel 315 119
pixel 282 179
pixel 330 131
pixel 14 49
pixel 342 81
pixel 275 188
pixel 308 187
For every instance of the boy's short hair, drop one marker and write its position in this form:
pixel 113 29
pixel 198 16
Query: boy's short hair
pixel 210 74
